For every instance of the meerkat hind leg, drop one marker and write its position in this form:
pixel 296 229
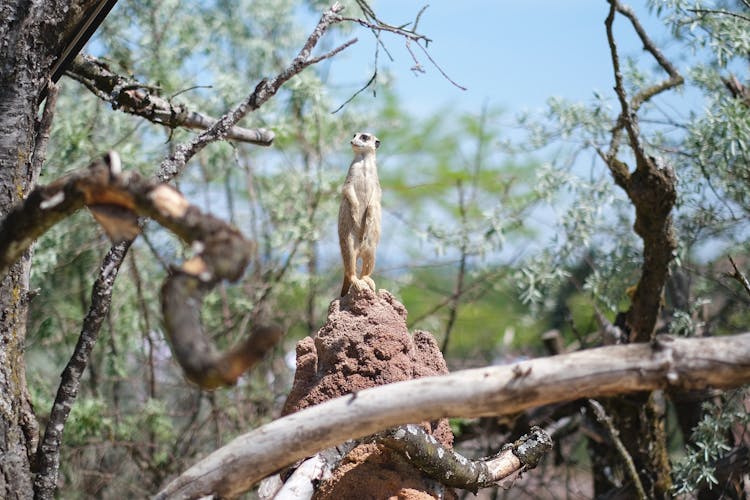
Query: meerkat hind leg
pixel 349 258
pixel 368 264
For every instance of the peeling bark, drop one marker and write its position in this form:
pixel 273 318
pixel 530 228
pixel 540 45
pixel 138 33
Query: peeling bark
pixel 133 97
pixel 453 469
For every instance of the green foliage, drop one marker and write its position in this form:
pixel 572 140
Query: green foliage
pixel 709 442
pixel 86 422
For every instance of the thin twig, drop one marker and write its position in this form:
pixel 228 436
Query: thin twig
pixel 381 26
pixel 365 87
pixel 720 12
pixel 674 80
pixel 437 66
pixel 458 290
pixel 627 119
pixel 604 419
pixel 411 35
pixel 739 276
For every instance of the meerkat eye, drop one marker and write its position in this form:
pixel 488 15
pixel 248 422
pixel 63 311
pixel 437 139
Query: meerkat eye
pixel 365 137
pixel 377 143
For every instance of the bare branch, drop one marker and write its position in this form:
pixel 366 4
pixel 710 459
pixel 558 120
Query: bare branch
pixel 452 469
pixel 674 80
pixel 739 276
pixel 377 26
pixel 627 117
pixel 364 87
pixel 262 93
pixel 685 363
pixel 458 288
pixel 437 66
pixel 381 26
pixel 134 98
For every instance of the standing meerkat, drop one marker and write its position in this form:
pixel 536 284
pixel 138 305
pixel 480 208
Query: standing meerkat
pixel 359 213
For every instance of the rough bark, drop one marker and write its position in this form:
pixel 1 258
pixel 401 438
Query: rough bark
pixel 33 34
pixel 651 188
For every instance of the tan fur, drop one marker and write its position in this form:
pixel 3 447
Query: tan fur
pixel 359 213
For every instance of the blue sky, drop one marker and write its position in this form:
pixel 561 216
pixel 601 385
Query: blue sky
pixel 514 54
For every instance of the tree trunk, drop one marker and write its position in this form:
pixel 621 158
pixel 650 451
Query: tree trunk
pixel 33 34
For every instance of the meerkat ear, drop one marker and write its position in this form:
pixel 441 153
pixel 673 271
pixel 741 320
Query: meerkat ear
pixel 377 143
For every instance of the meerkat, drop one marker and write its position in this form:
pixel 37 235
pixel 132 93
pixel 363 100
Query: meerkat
pixel 359 213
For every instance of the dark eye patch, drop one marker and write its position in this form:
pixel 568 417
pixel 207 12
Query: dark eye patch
pixel 377 144
pixel 365 137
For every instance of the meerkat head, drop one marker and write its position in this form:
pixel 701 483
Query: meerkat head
pixel 362 142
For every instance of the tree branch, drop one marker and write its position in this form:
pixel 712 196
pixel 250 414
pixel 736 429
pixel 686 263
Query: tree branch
pixel 651 187
pixel 452 469
pixel 263 91
pixel 674 80
pixel 739 276
pixel 677 363
pixel 133 97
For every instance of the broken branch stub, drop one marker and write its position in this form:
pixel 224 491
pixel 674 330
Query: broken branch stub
pixel 115 199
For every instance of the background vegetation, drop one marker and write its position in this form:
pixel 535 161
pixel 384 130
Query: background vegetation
pixel 489 242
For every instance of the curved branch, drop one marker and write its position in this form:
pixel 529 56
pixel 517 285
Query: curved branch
pixel 679 363
pixel 452 469
pixel 116 199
